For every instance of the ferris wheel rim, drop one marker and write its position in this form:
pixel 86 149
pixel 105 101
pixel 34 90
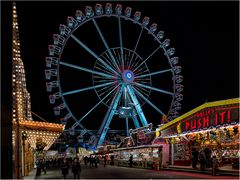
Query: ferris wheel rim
pixel 119 17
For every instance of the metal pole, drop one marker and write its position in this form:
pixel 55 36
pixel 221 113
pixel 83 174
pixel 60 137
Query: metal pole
pixel 23 160
pixel 18 150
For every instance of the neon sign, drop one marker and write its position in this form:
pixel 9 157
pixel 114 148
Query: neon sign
pixel 213 117
pixel 208 117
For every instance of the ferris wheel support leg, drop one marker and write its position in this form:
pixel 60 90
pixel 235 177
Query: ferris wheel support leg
pixel 137 105
pixel 135 121
pixel 108 117
pixel 127 128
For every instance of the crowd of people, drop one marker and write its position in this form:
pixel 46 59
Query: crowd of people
pixel 203 156
pixel 206 159
pixel 68 165
pixel 63 163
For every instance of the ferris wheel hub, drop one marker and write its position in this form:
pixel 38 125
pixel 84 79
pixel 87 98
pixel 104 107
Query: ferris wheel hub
pixel 128 76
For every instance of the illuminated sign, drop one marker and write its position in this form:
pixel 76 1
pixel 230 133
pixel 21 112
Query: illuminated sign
pixel 206 118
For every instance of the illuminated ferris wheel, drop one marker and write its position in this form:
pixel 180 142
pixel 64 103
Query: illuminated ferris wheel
pixel 120 58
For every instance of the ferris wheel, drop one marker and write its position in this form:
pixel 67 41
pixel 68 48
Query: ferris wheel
pixel 120 59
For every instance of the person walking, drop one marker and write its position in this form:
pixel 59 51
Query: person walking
pixel 44 166
pixel 214 165
pixel 85 160
pixel 65 168
pixel 76 168
pixel 131 160
pixel 96 161
pixel 104 161
pixel 91 159
pixel 39 167
pixel 112 160
pixel 194 158
pixel 202 160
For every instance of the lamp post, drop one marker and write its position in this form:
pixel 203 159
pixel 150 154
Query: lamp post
pixel 24 137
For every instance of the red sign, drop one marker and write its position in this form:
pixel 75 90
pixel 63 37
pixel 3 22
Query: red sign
pixel 207 117
pixel 210 117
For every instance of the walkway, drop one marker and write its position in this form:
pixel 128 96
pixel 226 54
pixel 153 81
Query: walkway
pixel 115 172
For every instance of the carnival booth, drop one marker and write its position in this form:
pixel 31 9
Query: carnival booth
pixel 139 146
pixel 212 128
pixel 143 156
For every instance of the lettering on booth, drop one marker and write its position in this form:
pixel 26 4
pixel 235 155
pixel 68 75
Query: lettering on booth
pixel 209 117
pixel 206 118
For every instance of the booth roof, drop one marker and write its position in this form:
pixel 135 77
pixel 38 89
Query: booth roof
pixel 205 105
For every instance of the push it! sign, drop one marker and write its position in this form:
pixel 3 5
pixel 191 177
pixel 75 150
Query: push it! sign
pixel 212 117
pixel 221 115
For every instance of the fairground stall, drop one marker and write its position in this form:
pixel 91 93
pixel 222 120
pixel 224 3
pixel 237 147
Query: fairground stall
pixel 139 145
pixel 31 140
pixel 212 127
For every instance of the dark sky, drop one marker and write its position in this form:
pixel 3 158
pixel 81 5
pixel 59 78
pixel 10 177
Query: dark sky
pixel 204 34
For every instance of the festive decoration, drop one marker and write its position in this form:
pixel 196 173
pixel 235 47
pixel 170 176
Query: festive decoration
pixel 21 98
pixel 179 130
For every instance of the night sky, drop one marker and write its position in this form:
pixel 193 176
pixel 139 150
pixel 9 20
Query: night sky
pixel 204 34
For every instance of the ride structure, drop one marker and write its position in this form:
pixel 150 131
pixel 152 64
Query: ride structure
pixel 123 69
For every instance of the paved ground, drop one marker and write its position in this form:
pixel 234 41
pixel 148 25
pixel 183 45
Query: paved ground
pixel 115 172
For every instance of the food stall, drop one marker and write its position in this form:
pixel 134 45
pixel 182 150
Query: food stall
pixel 212 127
pixel 143 156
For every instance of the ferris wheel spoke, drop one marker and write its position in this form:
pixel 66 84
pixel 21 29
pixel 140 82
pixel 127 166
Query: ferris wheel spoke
pixel 103 81
pixel 149 102
pixel 103 70
pixel 125 58
pixel 86 89
pixel 92 53
pixel 154 73
pixel 142 71
pixel 116 54
pixel 86 70
pixel 120 40
pixel 105 43
pixel 108 60
pixel 119 58
pixel 110 97
pixel 142 90
pixel 147 58
pixel 139 37
pixel 134 62
pixel 128 58
pixel 104 89
pixel 146 80
pixel 95 106
pixel 103 78
pixel 98 79
pixel 154 89
pixel 140 99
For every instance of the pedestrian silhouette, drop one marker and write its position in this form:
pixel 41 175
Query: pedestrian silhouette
pixel 202 160
pixel 105 161
pixel 76 168
pixel 65 168
pixel 131 160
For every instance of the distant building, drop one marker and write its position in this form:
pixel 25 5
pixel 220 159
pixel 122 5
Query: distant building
pixel 21 97
pixel 28 136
